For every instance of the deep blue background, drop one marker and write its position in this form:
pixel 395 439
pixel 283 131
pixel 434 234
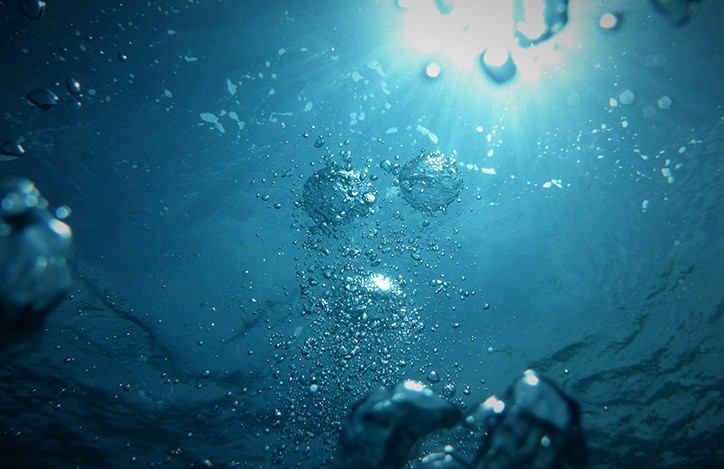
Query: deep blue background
pixel 181 267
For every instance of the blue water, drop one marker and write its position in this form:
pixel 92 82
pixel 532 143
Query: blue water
pixel 591 228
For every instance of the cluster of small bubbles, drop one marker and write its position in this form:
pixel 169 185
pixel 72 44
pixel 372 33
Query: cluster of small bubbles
pixel 364 322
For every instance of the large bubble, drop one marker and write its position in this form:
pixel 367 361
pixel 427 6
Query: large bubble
pixel 335 196
pixel 430 181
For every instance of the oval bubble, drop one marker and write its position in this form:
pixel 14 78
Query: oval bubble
pixel 73 85
pixel 43 98
pixel 12 149
pixel 32 9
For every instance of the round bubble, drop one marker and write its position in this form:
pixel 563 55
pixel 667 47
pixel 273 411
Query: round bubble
pixel 573 99
pixel 626 97
pixel 608 21
pixel 335 196
pixel 62 212
pixel 664 102
pixel 430 181
pixel 432 70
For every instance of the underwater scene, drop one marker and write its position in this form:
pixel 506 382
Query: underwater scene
pixel 452 234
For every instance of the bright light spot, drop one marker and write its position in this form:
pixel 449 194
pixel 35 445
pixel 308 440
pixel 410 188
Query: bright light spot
pixel 496 56
pixel 433 70
pixel 608 21
pixel 531 378
pixel 496 404
pixel 59 227
pixel 381 282
pixel 530 62
pixel 462 34
pixel 479 129
pixel 534 25
pixel 414 386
